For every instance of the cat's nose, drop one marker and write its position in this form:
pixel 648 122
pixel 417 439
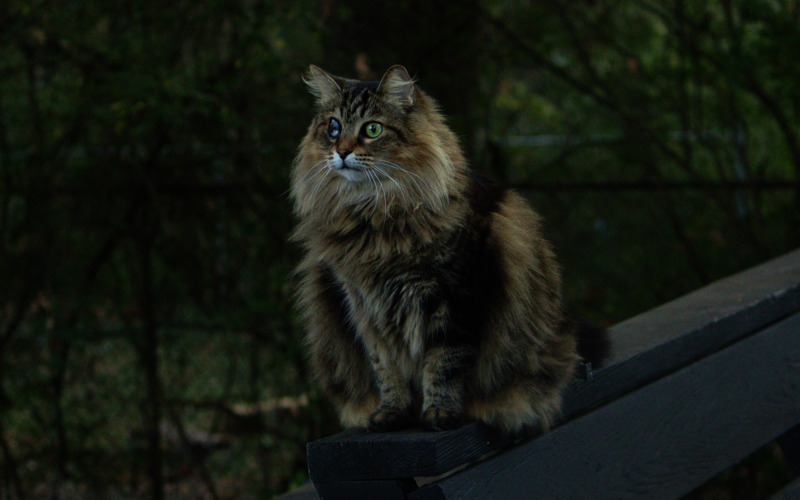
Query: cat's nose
pixel 343 153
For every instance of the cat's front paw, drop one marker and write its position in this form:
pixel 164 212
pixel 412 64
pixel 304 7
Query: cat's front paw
pixel 389 419
pixel 440 419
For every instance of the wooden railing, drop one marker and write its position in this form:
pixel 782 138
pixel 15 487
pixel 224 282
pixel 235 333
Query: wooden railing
pixel 689 389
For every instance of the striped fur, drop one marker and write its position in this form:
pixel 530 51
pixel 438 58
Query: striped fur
pixel 429 294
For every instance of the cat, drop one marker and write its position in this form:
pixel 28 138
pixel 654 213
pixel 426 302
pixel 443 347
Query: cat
pixel 428 294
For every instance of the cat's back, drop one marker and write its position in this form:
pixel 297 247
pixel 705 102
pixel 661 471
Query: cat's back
pixel 514 228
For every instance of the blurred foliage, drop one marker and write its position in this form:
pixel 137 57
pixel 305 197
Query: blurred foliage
pixel 147 344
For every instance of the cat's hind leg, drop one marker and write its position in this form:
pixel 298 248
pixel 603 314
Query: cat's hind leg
pixel 529 396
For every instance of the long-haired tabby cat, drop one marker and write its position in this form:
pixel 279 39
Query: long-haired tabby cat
pixel 429 294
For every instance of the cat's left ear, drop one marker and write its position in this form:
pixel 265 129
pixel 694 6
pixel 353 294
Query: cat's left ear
pixel 397 87
pixel 323 85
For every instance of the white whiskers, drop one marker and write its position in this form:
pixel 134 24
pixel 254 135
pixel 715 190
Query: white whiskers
pixel 323 166
pixel 370 192
pixel 411 175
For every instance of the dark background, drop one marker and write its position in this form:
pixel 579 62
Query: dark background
pixel 147 341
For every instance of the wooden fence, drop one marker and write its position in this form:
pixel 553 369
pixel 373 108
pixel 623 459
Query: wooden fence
pixel 689 389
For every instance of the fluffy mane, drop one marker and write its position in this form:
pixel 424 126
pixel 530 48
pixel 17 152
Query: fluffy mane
pixel 410 179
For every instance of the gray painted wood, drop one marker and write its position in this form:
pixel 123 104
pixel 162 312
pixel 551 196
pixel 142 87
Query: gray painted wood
pixel 366 490
pixel 661 441
pixel 791 492
pixel 644 348
pixel 658 341
pixel 357 454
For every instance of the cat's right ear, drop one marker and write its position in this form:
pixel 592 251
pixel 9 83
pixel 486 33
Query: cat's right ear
pixel 323 85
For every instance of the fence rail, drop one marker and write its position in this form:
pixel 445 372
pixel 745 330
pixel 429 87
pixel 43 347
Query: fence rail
pixel 689 389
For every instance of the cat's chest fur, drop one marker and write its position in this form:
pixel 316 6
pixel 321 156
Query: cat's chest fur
pixel 399 297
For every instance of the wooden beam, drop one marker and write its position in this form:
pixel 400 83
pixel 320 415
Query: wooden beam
pixel 663 339
pixel 790 492
pixel 359 455
pixel 661 441
pixel 366 490
pixel 644 349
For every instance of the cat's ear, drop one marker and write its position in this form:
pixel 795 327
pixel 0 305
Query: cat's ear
pixel 397 87
pixel 323 85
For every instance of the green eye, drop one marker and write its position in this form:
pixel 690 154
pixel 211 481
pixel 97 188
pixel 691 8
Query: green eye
pixel 373 129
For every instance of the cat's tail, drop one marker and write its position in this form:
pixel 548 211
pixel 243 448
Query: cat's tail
pixel 594 345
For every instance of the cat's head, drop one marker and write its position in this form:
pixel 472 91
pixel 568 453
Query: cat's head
pixel 375 146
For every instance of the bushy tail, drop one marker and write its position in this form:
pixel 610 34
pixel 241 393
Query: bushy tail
pixel 594 345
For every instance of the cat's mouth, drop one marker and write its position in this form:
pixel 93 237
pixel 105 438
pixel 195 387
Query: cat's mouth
pixel 351 173
pixel 349 168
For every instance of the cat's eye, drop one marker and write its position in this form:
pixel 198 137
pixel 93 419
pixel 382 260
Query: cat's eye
pixel 373 129
pixel 334 129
